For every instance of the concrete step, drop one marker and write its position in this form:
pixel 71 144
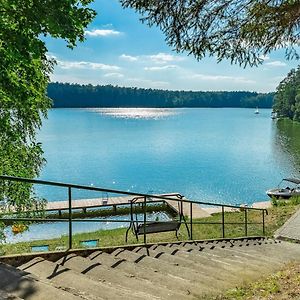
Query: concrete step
pixel 214 244
pixel 78 284
pixel 252 256
pixel 117 278
pixel 258 255
pixel 209 275
pixel 210 263
pixel 229 243
pixel 176 268
pixel 237 252
pixel 165 253
pixel 214 268
pixel 22 285
pixel 237 246
pixel 168 281
pixel 240 259
pixel 227 259
pixel 226 242
pixel 274 250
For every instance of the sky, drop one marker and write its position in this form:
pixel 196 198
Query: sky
pixel 120 50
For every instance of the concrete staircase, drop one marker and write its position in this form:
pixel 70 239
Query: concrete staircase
pixel 170 271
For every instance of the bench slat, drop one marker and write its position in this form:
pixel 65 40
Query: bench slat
pixel 158 227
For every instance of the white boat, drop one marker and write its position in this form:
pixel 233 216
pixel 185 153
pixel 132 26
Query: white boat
pixel 287 192
pixel 256 111
pixel 274 115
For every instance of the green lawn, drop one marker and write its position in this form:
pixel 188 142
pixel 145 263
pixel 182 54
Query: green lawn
pixel 284 284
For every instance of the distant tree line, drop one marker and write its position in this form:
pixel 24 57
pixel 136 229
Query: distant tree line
pixel 287 97
pixel 76 95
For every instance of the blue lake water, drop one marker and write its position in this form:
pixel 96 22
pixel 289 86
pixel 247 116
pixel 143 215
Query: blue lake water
pixel 216 155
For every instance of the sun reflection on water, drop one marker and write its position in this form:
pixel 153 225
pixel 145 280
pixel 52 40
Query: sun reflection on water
pixel 136 113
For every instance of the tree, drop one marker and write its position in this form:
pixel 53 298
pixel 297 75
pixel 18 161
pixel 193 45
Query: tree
pixel 75 95
pixel 24 75
pixel 242 31
pixel 287 97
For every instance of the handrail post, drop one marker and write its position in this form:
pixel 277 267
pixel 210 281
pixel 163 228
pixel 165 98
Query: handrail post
pixel 191 220
pixel 181 208
pixel 70 217
pixel 263 222
pixel 246 222
pixel 145 219
pixel 223 222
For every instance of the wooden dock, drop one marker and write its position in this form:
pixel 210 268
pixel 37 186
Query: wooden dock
pixel 84 204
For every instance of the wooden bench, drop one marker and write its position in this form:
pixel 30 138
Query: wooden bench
pixel 158 227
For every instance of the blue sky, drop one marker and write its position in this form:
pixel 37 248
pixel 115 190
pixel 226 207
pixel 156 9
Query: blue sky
pixel 120 50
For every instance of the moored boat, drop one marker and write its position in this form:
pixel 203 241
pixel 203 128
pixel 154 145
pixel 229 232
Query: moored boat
pixel 287 192
pixel 274 115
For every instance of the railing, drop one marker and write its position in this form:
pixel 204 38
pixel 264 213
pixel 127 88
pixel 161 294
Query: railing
pixel 136 196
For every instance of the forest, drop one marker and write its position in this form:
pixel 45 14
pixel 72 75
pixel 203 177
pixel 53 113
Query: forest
pixel 76 95
pixel 287 96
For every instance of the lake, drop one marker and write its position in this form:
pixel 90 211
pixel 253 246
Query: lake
pixel 207 154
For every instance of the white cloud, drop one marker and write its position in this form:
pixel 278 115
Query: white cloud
pixel 237 79
pixel 86 65
pixel 167 67
pixel 264 57
pixel 163 58
pixel 160 58
pixel 147 83
pixel 128 57
pixel 114 75
pixel 276 63
pixel 102 32
pixel 51 55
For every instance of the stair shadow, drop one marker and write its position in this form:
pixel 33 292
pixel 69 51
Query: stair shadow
pixel 56 272
pixel 16 281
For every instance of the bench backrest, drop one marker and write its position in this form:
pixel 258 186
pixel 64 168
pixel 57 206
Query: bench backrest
pixel 159 227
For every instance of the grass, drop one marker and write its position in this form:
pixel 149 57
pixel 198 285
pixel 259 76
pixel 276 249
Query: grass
pixel 284 284
pixel 275 219
pixel 290 202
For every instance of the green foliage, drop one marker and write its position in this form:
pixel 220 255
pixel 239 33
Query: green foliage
pixel 287 97
pixel 238 30
pixel 289 202
pixel 24 75
pixel 76 95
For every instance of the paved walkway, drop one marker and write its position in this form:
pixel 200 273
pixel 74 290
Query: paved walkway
pixel 291 229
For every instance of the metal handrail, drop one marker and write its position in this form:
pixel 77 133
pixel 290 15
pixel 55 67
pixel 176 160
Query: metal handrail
pixel 80 187
pixel 98 189
pixel 137 196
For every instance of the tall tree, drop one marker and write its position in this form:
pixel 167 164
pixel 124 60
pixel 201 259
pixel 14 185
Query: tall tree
pixel 242 31
pixel 287 96
pixel 24 75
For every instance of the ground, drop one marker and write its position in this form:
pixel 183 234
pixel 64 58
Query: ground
pixel 283 285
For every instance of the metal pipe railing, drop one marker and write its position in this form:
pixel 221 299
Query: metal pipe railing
pixel 137 196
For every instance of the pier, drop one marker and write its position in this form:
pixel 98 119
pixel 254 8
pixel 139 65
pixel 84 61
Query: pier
pixel 84 204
